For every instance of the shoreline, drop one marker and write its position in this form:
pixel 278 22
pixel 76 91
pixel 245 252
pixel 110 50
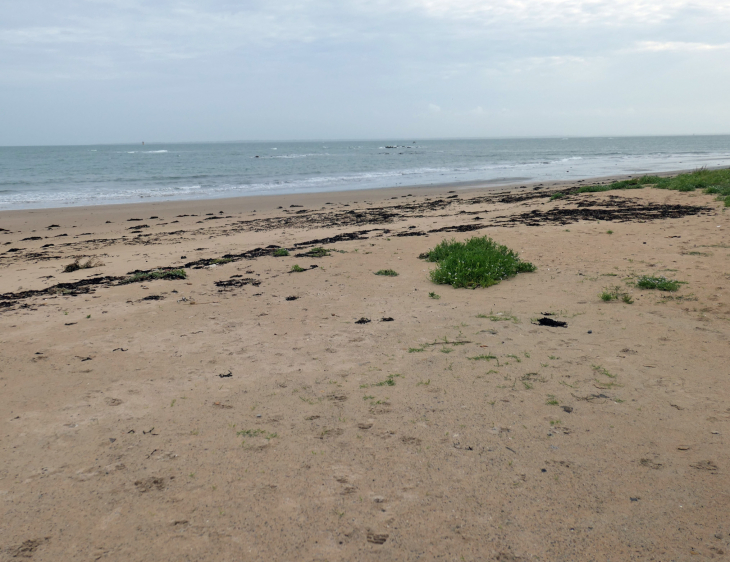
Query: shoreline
pixel 270 203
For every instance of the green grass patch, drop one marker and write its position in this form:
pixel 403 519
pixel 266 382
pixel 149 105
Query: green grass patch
pixel 318 252
pixel 157 274
pixel 711 181
pixel 280 252
pixel 615 293
pixel 387 272
pixel 478 262
pixel 295 268
pixel 434 296
pixel 557 195
pixel 659 283
pixel 634 183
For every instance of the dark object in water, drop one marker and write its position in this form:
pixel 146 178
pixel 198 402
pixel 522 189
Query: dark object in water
pixel 363 320
pixel 227 375
pixel 545 321
pixel 386 319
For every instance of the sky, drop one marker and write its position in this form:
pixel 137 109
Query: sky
pixel 114 71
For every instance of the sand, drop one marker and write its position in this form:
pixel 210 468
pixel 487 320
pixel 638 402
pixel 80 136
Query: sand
pixel 180 420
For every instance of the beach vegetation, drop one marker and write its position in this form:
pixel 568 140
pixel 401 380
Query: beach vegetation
pixel 434 296
pixel 318 252
pixel 615 293
pixel 660 283
pixel 478 262
pixel 557 195
pixel 500 317
pixel 77 264
pixel 280 252
pixel 296 269
pixel 387 272
pixel 715 182
pixel 155 274
pixel 389 381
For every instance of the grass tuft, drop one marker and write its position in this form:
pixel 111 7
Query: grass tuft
pixel 297 269
pixel 318 252
pixel 615 293
pixel 478 262
pixel 280 252
pixel 660 283
pixel 387 272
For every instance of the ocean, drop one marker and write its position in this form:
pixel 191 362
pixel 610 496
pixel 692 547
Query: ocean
pixel 61 176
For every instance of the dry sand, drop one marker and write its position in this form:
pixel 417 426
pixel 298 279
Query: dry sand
pixel 180 420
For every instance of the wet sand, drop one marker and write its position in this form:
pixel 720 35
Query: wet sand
pixel 243 413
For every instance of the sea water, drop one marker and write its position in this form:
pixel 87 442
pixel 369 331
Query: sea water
pixel 59 176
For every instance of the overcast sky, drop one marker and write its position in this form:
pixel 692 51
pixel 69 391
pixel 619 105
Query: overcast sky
pixel 104 71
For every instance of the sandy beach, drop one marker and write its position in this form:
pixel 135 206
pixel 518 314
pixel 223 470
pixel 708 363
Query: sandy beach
pixel 248 412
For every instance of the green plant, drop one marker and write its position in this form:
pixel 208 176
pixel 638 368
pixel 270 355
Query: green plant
pixel 318 252
pixel 557 195
pixel 280 252
pixel 614 294
pixel 250 432
pixel 417 349
pixel 660 283
pixel 434 295
pixel 389 380
pixel 155 274
pixel 478 262
pixel 387 272
pixel 714 182
pixel 602 371
pixel 551 401
pixel 609 232
pixel 295 268
pixel 447 349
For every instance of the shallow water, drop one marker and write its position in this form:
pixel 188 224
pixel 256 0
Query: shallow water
pixel 38 177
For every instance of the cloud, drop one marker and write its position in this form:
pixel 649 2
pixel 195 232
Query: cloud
pixel 676 46
pixel 327 67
